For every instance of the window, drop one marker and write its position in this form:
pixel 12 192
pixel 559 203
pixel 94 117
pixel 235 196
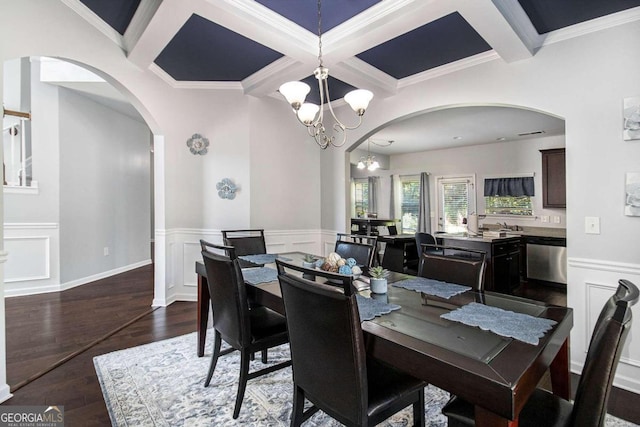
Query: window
pixel 509 196
pixel 360 189
pixel 410 203
pixel 508 205
pixel 455 201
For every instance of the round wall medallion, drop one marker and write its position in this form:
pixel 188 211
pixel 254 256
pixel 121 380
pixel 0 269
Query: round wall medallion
pixel 198 144
pixel 226 189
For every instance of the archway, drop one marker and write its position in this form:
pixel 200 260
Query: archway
pixel 71 96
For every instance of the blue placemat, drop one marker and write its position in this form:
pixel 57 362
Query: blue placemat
pixel 263 258
pixel 256 275
pixel 370 307
pixel 523 327
pixel 432 287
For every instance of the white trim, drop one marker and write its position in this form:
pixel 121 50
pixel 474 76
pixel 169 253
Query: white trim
pixel 208 85
pixel 452 67
pixel 30 225
pixel 602 265
pixel 103 275
pixel 5 393
pixel 10 189
pixel 592 26
pixel 140 21
pixel 93 19
pixel 4 255
pixel 621 381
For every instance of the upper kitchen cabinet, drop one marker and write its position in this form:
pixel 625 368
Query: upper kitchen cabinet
pixel 554 188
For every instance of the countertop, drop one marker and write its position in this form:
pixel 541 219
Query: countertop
pixel 527 232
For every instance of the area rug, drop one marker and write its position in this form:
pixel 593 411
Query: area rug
pixel 162 384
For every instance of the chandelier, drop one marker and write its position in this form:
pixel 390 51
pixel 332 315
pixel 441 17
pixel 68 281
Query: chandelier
pixel 311 115
pixel 370 162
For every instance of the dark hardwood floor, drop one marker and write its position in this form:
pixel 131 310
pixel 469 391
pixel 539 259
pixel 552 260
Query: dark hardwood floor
pixel 74 383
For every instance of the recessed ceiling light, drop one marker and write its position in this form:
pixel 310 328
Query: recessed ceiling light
pixel 457 137
pixel 502 138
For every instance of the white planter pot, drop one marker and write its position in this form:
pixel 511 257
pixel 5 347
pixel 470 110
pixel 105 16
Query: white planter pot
pixel 378 286
pixel 311 265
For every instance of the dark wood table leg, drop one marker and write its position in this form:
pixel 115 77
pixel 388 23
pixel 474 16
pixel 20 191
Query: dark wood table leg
pixel 203 312
pixel 560 374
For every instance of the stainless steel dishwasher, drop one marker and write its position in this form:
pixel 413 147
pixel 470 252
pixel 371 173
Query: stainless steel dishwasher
pixel 547 259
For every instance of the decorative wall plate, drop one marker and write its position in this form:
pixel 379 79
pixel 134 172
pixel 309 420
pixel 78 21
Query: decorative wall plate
pixel 198 144
pixel 226 189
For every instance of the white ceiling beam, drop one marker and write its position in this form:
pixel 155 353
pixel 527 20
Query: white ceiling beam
pixel 486 18
pixel 167 20
pixel 139 22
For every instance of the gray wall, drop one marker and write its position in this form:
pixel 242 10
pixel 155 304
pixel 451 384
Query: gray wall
pixel 104 188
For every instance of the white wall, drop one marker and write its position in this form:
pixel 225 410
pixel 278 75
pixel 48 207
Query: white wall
pixel 583 80
pixel 487 160
pixel 104 189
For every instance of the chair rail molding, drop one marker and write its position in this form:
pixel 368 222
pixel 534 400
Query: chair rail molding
pixel 590 283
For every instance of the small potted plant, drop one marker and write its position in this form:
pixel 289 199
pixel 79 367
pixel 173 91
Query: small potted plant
pixel 309 261
pixel 378 280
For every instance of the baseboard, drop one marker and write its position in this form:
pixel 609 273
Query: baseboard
pixel 5 393
pixel 103 275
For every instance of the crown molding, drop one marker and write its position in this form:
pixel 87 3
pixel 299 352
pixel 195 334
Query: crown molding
pixel 452 67
pixel 206 85
pixel 93 19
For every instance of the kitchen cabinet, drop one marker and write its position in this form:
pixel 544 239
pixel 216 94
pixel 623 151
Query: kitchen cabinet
pixel 554 185
pixel 502 272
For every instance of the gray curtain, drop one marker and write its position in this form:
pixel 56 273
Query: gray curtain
pixel 392 204
pixel 373 194
pixel 424 214
pixel 515 187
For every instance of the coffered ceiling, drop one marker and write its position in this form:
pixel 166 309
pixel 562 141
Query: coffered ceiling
pixel 380 45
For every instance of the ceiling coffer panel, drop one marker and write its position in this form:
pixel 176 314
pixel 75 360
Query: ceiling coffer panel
pixel 116 13
pixel 205 51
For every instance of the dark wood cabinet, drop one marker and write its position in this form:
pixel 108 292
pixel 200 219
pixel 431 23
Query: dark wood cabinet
pixel 554 185
pixel 506 266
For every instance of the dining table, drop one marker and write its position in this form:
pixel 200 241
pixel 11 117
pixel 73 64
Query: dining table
pixel 494 372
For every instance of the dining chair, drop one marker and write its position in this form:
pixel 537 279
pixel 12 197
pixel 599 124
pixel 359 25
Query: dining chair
pixel 590 405
pixel 245 242
pixel 244 329
pixel 454 265
pixel 359 238
pixel 363 253
pixel 331 368
pixel 423 239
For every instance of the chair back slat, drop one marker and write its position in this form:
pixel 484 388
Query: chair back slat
pixel 609 336
pixel 228 299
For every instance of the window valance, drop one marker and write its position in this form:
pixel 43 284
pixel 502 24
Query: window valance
pixel 514 187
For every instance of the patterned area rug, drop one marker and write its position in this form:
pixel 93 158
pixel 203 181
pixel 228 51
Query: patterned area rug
pixel 162 384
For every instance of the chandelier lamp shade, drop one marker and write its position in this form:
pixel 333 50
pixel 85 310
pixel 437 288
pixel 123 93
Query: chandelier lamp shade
pixel 369 162
pixel 312 115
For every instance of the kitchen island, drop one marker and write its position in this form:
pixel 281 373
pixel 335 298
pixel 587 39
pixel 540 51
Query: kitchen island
pixel 503 269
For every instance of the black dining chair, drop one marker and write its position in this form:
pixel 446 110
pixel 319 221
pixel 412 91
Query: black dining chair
pixel 363 253
pixel 454 265
pixel 331 368
pixel 244 329
pixel 423 239
pixel 245 242
pixel 359 238
pixel 590 405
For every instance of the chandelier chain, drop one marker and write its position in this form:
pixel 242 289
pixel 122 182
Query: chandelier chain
pixel 320 32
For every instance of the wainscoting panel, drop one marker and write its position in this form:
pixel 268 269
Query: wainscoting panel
pixel 33 258
pixel 183 250
pixel 590 284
